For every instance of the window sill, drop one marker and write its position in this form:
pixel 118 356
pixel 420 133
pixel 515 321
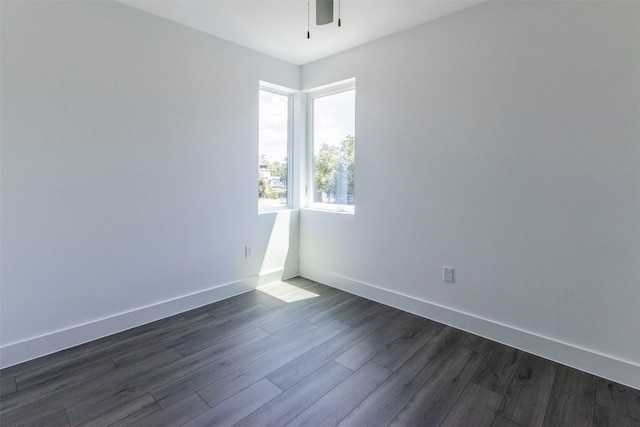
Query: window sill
pixel 274 209
pixel 333 208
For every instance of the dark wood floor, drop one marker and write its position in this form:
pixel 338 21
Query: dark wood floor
pixel 333 359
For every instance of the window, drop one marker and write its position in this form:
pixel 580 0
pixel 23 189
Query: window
pixel 274 141
pixel 333 137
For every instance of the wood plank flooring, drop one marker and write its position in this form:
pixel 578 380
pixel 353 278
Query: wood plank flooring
pixel 332 359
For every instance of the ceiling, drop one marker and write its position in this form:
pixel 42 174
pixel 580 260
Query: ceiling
pixel 279 27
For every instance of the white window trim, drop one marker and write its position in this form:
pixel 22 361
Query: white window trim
pixel 289 93
pixel 312 94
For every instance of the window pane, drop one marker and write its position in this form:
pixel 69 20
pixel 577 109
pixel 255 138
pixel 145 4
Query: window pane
pixel 273 140
pixel 334 148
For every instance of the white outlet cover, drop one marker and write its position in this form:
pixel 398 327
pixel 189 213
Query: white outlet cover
pixel 447 274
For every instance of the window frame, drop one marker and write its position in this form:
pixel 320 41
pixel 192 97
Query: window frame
pixel 289 94
pixel 312 95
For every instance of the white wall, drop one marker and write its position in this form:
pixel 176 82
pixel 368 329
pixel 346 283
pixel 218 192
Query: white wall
pixel 129 168
pixel 503 140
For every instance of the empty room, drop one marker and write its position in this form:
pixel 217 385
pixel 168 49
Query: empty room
pixel 319 213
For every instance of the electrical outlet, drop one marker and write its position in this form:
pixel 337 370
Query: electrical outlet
pixel 447 274
pixel 247 251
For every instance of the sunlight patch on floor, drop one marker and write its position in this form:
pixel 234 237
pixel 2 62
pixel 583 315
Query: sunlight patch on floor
pixel 286 292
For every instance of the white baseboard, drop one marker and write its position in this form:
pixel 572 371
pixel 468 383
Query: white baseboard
pixel 606 366
pixel 18 352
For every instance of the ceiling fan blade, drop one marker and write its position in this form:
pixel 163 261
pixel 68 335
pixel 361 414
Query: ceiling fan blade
pixel 324 12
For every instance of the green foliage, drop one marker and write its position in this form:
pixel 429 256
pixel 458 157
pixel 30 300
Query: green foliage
pixel 264 187
pixel 277 171
pixel 334 173
pixel 348 155
pixel 284 173
pixel 275 168
pixel 326 166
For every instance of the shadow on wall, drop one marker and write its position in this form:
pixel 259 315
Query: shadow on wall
pixel 280 258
